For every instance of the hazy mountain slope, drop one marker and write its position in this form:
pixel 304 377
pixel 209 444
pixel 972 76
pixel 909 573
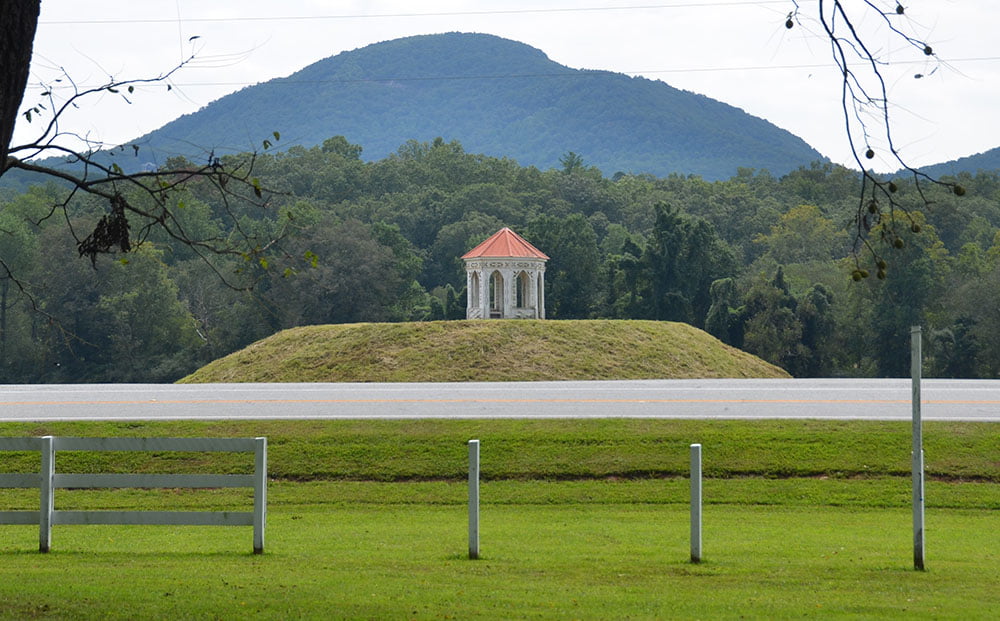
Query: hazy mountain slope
pixel 988 160
pixel 495 96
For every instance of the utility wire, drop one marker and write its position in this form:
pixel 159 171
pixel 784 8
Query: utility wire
pixel 251 18
pixel 573 74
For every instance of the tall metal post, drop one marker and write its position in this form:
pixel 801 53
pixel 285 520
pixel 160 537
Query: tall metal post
pixel 259 494
pixel 46 490
pixel 47 493
pixel 917 453
pixel 695 503
pixel 473 499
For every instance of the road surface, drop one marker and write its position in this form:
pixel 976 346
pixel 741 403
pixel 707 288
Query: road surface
pixel 967 400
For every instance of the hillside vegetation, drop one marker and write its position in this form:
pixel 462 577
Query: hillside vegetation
pixel 762 263
pixel 455 351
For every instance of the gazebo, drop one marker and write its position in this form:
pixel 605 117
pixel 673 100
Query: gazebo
pixel 505 278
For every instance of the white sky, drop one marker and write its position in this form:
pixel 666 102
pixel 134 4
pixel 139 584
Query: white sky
pixel 736 51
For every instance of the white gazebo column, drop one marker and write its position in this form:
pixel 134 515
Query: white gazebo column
pixel 531 294
pixel 509 293
pixel 540 289
pixel 470 296
pixel 484 294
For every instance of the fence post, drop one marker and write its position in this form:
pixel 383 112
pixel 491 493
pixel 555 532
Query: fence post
pixel 695 503
pixel 917 453
pixel 46 491
pixel 259 494
pixel 473 499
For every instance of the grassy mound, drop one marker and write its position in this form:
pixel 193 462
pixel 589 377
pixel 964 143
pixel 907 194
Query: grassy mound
pixel 489 351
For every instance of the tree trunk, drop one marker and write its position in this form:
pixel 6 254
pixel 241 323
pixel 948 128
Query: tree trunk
pixel 4 290
pixel 18 20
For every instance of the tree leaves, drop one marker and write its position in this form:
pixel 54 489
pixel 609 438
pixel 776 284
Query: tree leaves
pixel 268 144
pixel 112 231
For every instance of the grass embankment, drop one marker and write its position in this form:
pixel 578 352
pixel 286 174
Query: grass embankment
pixel 488 351
pixel 581 519
pixel 434 450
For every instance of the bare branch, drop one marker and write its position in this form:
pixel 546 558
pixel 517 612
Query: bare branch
pixel 51 132
pixel 139 203
pixel 864 96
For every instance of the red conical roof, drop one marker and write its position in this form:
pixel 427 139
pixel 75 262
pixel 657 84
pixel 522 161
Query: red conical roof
pixel 505 243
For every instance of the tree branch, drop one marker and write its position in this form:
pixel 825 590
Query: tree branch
pixel 864 93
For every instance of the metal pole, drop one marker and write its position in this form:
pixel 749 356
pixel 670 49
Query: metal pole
pixel 917 453
pixel 695 503
pixel 473 499
pixel 259 494
pixel 46 490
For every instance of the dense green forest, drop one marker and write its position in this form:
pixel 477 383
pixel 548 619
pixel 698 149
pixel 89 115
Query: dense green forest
pixel 763 263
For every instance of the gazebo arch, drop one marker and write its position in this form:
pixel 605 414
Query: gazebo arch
pixel 505 278
pixel 496 295
pixel 522 289
pixel 473 289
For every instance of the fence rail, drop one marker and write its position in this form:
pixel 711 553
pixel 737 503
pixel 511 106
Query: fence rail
pixel 47 481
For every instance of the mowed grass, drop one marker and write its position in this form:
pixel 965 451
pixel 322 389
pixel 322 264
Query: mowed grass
pixel 580 519
pixel 585 561
pixel 415 450
pixel 486 351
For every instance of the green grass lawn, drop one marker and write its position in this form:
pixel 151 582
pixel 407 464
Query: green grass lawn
pixel 580 519
pixel 572 560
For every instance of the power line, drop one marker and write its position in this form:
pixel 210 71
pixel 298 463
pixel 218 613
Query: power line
pixel 573 74
pixel 251 18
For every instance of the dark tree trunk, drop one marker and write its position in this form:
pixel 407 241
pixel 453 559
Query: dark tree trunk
pixel 18 20
pixel 4 291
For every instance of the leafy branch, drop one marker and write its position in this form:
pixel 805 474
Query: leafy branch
pixel 140 202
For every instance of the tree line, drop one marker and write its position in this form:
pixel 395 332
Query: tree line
pixel 770 265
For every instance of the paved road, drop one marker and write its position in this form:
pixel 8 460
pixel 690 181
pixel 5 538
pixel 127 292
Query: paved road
pixel 734 399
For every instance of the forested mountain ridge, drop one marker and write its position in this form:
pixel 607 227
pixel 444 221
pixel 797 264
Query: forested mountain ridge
pixel 985 161
pixel 495 96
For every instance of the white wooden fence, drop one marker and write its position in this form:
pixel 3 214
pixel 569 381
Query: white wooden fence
pixel 47 481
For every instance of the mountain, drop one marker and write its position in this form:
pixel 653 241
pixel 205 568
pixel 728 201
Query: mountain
pixel 495 96
pixel 988 160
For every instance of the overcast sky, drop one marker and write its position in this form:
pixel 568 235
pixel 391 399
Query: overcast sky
pixel 736 51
